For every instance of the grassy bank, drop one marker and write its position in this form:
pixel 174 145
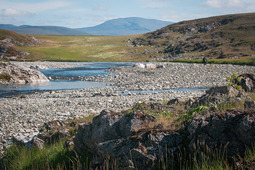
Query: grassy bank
pixel 246 61
pixel 81 48
pixel 101 48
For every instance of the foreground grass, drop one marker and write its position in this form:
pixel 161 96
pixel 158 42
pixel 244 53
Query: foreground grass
pixel 54 156
pixel 81 48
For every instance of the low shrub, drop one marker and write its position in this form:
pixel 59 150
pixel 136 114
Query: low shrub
pixel 5 76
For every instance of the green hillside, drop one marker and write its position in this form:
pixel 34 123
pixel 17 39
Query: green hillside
pixel 229 37
pixel 22 39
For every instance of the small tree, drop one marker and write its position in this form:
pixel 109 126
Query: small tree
pixel 234 80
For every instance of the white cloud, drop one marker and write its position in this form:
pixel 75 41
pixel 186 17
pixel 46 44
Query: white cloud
pixel 156 4
pixel 11 12
pixel 36 6
pixel 175 16
pixel 214 3
pixel 101 8
pixel 240 5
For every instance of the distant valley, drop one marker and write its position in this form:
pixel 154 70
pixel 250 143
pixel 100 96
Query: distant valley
pixel 221 39
pixel 121 26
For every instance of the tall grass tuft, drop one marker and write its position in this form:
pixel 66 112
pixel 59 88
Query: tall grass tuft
pixel 55 156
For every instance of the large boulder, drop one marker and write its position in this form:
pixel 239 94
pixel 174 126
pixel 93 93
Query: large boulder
pixel 13 74
pixel 217 95
pixel 247 82
pixel 230 131
pixel 125 139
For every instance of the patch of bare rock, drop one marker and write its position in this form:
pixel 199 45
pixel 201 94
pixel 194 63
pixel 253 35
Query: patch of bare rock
pixel 13 74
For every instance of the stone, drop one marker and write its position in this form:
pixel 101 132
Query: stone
pixel 230 131
pixel 139 65
pixel 176 101
pixel 247 82
pixel 37 142
pixel 150 65
pixel 125 139
pixel 249 104
pixel 216 95
pixel 53 131
pixel 21 75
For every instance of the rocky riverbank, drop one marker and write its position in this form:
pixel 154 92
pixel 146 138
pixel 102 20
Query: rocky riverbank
pixel 170 75
pixel 21 116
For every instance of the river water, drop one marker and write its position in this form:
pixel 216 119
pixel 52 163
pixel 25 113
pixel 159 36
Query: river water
pixel 67 79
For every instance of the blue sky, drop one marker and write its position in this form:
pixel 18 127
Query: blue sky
pixel 84 13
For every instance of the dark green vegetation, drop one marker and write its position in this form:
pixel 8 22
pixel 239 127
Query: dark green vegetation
pixel 222 39
pixel 5 76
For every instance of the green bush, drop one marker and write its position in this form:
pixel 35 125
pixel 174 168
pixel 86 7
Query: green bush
pixel 5 76
pixel 234 80
pixel 187 116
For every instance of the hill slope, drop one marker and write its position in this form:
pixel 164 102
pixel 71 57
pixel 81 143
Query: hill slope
pixel 221 37
pixel 42 30
pixel 126 26
pixel 9 43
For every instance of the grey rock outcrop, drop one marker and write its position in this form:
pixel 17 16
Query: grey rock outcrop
pixel 230 131
pixel 53 131
pixel 217 95
pixel 127 140
pixel 124 139
pixel 21 75
pixel 247 82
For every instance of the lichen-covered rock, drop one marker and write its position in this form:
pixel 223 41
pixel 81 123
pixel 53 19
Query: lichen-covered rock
pixel 247 82
pixel 217 95
pixel 124 139
pixel 230 131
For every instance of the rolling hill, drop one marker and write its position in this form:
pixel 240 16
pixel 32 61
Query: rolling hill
pixel 42 30
pixel 10 43
pixel 220 37
pixel 126 26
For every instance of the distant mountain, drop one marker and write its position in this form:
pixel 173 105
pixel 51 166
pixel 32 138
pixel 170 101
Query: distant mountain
pixel 121 26
pixel 126 26
pixel 42 30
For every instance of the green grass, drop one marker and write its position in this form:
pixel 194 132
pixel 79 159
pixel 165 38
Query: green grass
pixel 54 156
pixel 247 61
pixel 81 48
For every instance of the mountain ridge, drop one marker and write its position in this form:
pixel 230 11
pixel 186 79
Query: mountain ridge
pixel 41 30
pixel 126 26
pixel 120 26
